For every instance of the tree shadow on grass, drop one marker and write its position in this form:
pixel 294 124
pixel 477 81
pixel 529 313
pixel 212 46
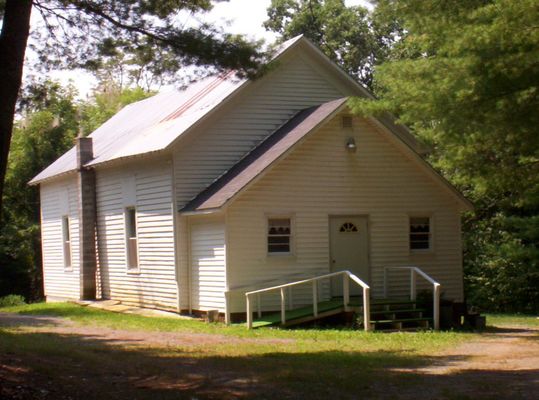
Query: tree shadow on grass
pixel 67 366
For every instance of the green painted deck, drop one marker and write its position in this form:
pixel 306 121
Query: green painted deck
pixel 298 313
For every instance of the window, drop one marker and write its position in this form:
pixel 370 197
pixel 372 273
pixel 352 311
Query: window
pixel 420 233
pixel 279 232
pixel 347 122
pixel 131 233
pixel 66 239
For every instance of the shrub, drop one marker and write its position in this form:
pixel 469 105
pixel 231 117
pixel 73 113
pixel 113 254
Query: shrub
pixel 11 300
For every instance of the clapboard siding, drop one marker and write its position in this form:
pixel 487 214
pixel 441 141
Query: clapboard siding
pixel 208 263
pixel 59 199
pixel 320 178
pixel 149 188
pixel 261 109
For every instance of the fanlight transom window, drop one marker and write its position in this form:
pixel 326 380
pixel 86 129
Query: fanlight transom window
pixel 348 227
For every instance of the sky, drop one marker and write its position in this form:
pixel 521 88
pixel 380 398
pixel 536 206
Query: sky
pixel 235 16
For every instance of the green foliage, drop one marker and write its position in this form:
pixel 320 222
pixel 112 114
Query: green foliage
pixel 468 84
pixel 12 300
pixel 351 36
pixel 107 103
pixel 153 34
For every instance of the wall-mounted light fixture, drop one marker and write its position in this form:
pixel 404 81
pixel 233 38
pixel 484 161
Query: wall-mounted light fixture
pixel 351 145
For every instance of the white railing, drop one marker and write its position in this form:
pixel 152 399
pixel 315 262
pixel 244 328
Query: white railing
pixel 414 272
pixel 347 277
pixel 241 290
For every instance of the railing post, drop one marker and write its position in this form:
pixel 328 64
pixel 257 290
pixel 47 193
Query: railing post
pixel 436 312
pixel 412 284
pixel 345 291
pixel 283 309
pixel 315 298
pixel 249 313
pixel 258 306
pixel 385 282
pixel 366 309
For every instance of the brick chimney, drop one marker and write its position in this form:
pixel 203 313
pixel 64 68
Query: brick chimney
pixel 87 218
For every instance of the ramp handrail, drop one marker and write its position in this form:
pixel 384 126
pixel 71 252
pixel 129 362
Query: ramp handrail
pixel 414 271
pixel 347 276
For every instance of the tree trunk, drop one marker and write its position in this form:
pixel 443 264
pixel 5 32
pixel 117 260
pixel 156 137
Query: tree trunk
pixel 13 38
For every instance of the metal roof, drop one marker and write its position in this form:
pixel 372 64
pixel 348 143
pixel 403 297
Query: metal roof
pixel 263 156
pixel 155 123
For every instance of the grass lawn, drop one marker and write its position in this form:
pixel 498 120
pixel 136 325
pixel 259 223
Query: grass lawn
pixel 503 320
pixel 207 360
pixel 314 339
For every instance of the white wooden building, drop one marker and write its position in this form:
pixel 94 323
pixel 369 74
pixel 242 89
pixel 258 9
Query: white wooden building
pixel 201 194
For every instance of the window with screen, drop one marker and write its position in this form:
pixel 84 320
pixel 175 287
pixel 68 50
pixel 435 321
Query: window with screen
pixel 420 233
pixel 131 233
pixel 279 235
pixel 66 239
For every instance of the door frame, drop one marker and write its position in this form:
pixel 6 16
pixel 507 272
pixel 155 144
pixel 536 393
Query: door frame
pixel 330 241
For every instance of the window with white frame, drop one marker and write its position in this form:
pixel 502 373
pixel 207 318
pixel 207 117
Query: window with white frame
pixel 420 233
pixel 279 235
pixel 66 241
pixel 131 237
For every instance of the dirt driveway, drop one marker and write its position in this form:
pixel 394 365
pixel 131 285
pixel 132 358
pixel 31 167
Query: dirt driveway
pixel 502 364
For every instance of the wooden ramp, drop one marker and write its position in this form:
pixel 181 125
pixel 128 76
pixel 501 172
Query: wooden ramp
pixel 301 315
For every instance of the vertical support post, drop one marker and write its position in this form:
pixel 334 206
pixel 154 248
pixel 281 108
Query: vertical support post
pixel 258 306
pixel 283 309
pixel 227 308
pixel 367 308
pixel 315 298
pixel 249 312
pixel 345 291
pixel 413 291
pixel 385 282
pixel 436 313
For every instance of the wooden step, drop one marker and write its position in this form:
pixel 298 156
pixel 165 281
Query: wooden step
pixel 399 324
pixel 383 302
pixel 397 311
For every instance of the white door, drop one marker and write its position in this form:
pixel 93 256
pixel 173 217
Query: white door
pixel 349 250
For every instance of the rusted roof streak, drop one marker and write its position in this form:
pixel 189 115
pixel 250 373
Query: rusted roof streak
pixel 193 100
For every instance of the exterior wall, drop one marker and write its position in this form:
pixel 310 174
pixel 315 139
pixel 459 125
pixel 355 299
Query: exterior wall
pixel 320 178
pixel 208 263
pixel 148 186
pixel 59 199
pixel 262 108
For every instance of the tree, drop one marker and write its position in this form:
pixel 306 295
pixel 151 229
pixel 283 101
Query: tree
pixel 80 33
pixel 468 83
pixel 353 37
